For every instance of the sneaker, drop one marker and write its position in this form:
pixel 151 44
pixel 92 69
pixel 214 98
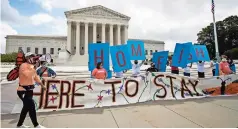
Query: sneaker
pixel 23 126
pixel 40 126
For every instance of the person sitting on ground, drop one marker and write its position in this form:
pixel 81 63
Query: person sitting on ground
pixel 136 68
pixel 45 71
pixel 200 66
pixel 99 72
pixel 213 66
pixel 231 65
pixel 187 70
pixel 152 68
pixel 224 67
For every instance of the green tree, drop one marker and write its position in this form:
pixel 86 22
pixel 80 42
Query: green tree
pixel 9 57
pixel 227 35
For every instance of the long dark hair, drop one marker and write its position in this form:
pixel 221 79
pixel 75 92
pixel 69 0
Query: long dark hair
pixel 98 65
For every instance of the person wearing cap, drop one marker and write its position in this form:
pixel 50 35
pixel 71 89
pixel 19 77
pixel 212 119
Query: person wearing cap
pixel 224 67
pixel 45 71
pixel 27 79
pixel 152 68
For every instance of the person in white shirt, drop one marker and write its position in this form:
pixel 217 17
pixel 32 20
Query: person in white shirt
pixel 200 66
pixel 136 68
pixel 186 70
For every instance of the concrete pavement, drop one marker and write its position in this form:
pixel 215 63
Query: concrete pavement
pixel 207 112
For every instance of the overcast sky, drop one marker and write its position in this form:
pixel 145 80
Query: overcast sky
pixel 170 21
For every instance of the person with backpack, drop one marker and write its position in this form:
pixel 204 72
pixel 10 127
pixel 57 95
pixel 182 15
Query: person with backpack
pixel 27 79
pixel 44 71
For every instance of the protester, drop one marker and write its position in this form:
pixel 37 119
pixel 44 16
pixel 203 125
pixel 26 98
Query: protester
pixel 152 68
pixel 45 71
pixel 224 67
pixel 136 68
pixel 120 74
pixel 200 66
pixel 187 70
pixel 213 66
pixel 27 79
pixel 99 72
pixel 174 70
pixel 231 65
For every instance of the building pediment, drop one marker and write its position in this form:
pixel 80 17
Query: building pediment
pixel 96 11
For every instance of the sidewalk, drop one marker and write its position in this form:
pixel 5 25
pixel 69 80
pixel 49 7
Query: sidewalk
pixel 208 112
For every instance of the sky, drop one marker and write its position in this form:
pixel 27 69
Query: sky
pixel 171 21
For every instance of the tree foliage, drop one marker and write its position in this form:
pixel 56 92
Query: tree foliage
pixel 227 36
pixel 9 57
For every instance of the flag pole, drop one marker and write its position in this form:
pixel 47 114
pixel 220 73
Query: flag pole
pixel 215 32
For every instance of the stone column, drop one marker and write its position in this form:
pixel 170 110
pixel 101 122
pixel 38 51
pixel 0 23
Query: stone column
pixel 126 33
pixel 103 33
pixel 94 32
pixel 86 39
pixel 111 35
pixel 77 38
pixel 69 37
pixel 118 34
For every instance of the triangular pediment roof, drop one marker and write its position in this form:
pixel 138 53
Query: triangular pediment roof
pixel 97 10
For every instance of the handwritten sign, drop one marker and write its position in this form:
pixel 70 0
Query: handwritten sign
pixel 192 55
pixel 160 60
pixel 201 52
pixel 68 94
pixel 98 52
pixel 181 54
pixel 119 56
pixel 136 49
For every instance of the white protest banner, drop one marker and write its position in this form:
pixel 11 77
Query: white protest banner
pixel 68 94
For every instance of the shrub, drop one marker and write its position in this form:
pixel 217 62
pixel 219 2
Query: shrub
pixel 233 53
pixel 11 57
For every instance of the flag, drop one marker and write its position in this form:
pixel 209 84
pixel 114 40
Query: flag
pixel 213 7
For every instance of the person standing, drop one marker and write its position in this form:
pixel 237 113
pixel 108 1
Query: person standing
pixel 27 79
pixel 136 68
pixel 224 67
pixel 200 66
pixel 99 72
pixel 187 70
pixel 231 65
pixel 213 65
pixel 174 70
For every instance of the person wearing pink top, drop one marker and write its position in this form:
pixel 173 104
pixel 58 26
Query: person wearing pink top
pixel 224 67
pixel 99 72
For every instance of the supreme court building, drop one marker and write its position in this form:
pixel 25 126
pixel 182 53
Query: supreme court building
pixel 96 24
